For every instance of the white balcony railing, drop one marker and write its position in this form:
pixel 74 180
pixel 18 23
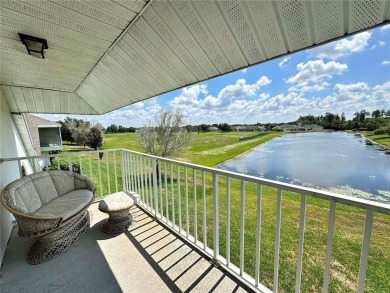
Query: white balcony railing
pixel 204 204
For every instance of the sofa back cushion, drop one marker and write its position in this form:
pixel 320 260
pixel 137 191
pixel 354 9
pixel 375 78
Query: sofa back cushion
pixel 44 186
pixel 63 181
pixel 22 196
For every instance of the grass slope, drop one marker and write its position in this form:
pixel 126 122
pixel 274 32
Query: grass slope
pixel 383 139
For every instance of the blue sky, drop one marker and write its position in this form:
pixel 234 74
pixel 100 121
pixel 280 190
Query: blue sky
pixel 344 76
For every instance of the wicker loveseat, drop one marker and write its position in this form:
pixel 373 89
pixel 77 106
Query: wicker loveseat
pixel 51 206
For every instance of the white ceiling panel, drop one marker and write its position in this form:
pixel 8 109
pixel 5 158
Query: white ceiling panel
pixel 106 54
pixel 33 100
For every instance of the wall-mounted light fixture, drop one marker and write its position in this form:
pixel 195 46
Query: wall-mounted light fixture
pixel 34 45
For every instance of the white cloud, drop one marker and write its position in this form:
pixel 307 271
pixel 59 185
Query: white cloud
pixel 244 70
pixel 385 62
pixel 382 43
pixel 385 28
pixel 317 70
pixel 234 91
pixel 335 50
pixel 381 93
pixel 189 95
pixel 305 87
pixel 284 61
pixel 351 88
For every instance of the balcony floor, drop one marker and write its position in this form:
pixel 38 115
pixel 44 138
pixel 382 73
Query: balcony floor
pixel 147 258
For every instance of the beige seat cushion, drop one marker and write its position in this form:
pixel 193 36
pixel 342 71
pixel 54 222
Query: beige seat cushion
pixel 66 205
pixel 118 201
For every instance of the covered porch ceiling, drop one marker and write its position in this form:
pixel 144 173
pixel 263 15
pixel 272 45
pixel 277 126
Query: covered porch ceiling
pixel 104 55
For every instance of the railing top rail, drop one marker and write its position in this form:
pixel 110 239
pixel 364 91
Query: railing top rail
pixel 357 202
pixel 2 160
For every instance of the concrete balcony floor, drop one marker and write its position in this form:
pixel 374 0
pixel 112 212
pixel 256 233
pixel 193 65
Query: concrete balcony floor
pixel 147 258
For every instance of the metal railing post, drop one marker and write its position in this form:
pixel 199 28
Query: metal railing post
pixel 154 164
pixel 215 220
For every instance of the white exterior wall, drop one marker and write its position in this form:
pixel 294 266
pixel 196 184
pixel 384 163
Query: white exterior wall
pixel 10 146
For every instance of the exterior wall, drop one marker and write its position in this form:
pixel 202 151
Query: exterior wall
pixel 10 146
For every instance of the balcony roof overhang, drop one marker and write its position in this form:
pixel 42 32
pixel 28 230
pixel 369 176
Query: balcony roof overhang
pixel 105 55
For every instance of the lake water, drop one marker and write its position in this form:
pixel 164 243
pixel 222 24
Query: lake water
pixel 337 161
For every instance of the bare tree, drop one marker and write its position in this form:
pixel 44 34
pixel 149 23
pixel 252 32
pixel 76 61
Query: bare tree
pixel 166 136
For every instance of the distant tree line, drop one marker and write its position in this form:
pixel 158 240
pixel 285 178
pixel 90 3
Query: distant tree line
pixel 82 132
pixel 363 120
pixel 113 128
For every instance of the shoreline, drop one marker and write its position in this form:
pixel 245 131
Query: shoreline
pixel 385 147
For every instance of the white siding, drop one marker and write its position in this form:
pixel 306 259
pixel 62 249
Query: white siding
pixel 10 146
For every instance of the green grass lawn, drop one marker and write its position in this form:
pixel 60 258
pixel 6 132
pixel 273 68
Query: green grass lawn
pixel 383 139
pixel 210 149
pixel 207 149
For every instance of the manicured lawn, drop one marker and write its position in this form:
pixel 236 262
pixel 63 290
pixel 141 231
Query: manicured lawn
pixel 207 149
pixel 383 139
pixel 211 149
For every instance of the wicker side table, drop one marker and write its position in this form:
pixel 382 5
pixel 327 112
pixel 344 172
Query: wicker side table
pixel 117 206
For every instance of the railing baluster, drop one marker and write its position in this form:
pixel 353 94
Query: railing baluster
pixel 130 168
pixel 145 182
pixel 364 252
pixel 142 194
pixel 133 172
pixel 166 193
pixel 90 165
pixel 122 156
pixel 108 174
pixel 100 174
pixel 242 227
pixel 172 196
pixel 70 166
pixel 195 206
pixel 126 175
pixel 20 169
pixel 81 165
pixel 204 210
pixel 150 184
pixel 277 240
pixel 215 217
pixel 155 191
pixel 115 172
pixel 298 277
pixel 329 244
pixel 179 198
pixel 137 173
pixel 160 189
pixel 59 163
pixel 186 202
pixel 258 234
pixel 227 220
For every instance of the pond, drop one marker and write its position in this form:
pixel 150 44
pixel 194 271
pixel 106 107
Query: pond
pixel 335 161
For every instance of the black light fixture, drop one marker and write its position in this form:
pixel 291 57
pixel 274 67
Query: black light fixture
pixel 34 45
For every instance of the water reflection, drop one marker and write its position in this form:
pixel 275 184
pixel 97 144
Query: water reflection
pixel 337 161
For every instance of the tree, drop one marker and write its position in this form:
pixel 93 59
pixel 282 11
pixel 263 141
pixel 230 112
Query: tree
pixel 66 135
pixel 224 127
pixel 79 129
pixel 95 137
pixel 376 114
pixel 166 136
pixel 112 128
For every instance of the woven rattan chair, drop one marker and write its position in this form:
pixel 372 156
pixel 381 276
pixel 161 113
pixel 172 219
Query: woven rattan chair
pixel 52 207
